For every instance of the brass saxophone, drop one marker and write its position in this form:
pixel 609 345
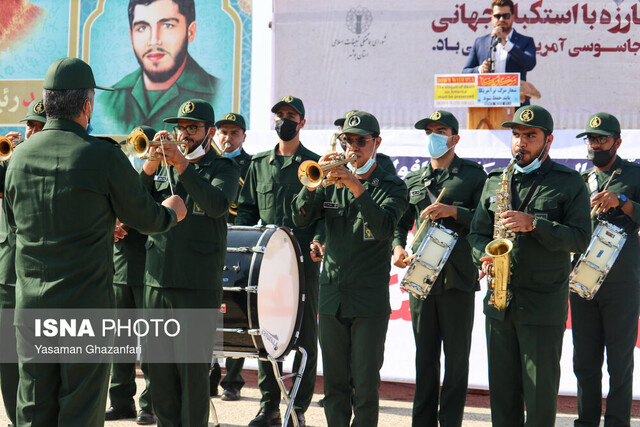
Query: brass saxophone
pixel 502 244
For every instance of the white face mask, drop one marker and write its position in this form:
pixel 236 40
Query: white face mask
pixel 198 152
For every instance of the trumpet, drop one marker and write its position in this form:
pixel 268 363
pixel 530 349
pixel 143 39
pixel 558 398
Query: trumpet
pixel 138 145
pixel 6 147
pixel 312 175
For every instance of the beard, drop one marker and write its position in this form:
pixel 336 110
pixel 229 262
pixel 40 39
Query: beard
pixel 164 75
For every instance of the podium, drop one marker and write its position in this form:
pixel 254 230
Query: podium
pixel 489 117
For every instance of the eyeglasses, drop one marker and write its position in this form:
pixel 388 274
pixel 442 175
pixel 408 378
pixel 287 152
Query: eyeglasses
pixel 190 130
pixel 360 142
pixel 596 140
pixel 504 16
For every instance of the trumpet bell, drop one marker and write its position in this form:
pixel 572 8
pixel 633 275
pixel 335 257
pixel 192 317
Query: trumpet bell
pixel 138 145
pixel 310 174
pixel 6 148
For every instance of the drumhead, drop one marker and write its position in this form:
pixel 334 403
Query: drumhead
pixel 280 293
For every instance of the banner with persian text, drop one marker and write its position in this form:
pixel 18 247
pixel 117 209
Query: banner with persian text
pixel 381 56
pixel 156 54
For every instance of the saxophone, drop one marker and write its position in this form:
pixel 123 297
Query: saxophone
pixel 502 244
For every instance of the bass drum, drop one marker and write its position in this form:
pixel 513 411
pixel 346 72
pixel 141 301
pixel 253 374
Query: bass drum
pixel 263 291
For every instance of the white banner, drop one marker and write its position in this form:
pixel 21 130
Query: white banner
pixel 381 56
pixel 491 149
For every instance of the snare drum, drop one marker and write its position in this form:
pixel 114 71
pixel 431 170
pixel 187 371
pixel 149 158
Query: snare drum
pixel 263 291
pixel 429 260
pixel 594 265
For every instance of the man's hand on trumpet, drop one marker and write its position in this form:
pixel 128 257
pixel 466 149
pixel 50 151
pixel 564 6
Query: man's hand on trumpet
pixel 170 152
pixel 15 138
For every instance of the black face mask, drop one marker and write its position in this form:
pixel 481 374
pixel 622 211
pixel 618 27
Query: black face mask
pixel 286 129
pixel 601 157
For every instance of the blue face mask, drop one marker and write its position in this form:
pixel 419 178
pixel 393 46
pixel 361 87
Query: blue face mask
pixel 529 168
pixel 234 153
pixel 437 145
pixel 533 165
pixel 89 128
pixel 364 168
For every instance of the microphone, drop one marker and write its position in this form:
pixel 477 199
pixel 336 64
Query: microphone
pixel 494 41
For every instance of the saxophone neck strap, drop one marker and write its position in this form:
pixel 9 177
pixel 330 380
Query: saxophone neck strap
pixel 544 169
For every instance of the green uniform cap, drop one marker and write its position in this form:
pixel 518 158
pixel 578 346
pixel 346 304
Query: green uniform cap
pixel 197 110
pixel 35 112
pixel 601 124
pixel 70 73
pixel 533 116
pixel 361 123
pixel 148 131
pixel 442 117
pixel 291 101
pixel 341 120
pixel 232 119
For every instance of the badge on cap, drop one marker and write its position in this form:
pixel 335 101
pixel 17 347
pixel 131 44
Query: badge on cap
pixel 435 116
pixel 38 108
pixel 595 122
pixel 188 107
pixel 526 116
pixel 288 99
pixel 354 121
pixel 231 117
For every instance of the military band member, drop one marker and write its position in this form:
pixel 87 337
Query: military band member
pixel 64 191
pixel 35 120
pixel 270 186
pixel 129 256
pixel 354 294
pixel 549 214
pixel 231 132
pixel 610 320
pixel 445 317
pixel 184 265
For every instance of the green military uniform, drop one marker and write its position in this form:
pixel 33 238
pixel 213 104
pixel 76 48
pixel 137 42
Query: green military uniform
pixel 130 104
pixel 524 341
pixel 129 255
pixel 270 186
pixel 354 292
pixel 610 319
pixel 71 231
pixel 9 377
pixel 8 371
pixel 446 315
pixel 383 161
pixel 233 379
pixel 184 267
pixel 536 316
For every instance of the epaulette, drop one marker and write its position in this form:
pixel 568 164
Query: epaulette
pixel 472 163
pixel 496 171
pixel 108 139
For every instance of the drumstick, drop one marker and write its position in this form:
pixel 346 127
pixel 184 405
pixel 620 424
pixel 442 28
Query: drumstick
pixel 595 208
pixel 424 223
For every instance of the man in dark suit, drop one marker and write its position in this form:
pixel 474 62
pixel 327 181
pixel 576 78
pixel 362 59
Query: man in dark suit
pixel 504 50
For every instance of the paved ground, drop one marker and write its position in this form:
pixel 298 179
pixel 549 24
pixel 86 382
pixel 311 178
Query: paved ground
pixel 395 407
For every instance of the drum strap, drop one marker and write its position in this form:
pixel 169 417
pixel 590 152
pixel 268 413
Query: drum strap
pixel 544 168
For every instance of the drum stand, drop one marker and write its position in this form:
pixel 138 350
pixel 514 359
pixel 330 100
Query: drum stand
pixel 289 396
